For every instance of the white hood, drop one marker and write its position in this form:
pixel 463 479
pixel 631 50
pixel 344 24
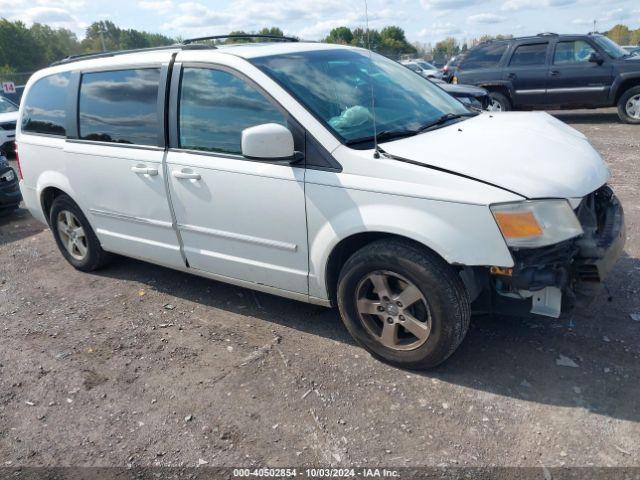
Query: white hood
pixel 9 117
pixel 532 154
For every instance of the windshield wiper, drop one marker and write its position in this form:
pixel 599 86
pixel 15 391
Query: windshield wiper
pixel 444 119
pixel 383 136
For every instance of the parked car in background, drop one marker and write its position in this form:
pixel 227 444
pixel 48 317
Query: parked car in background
pixel 632 49
pixel 10 196
pixel 8 118
pixel 323 173
pixel 422 67
pixel 14 97
pixel 449 70
pixel 476 98
pixel 550 71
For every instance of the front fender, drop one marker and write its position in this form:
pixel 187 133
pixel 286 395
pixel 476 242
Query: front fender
pixel 462 234
pixel 621 78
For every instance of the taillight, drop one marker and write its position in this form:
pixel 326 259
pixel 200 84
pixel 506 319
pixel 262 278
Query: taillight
pixel 18 163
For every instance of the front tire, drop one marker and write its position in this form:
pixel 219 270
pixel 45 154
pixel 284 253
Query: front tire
pixel 403 304
pixel 499 102
pixel 629 106
pixel 74 236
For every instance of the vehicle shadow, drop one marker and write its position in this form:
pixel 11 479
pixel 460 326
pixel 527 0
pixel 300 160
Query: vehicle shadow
pixel 592 117
pixel 17 225
pixel 521 358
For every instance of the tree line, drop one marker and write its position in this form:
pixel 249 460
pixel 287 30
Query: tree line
pixel 390 41
pixel 26 49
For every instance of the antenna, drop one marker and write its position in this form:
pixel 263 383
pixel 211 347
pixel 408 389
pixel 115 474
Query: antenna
pixel 376 152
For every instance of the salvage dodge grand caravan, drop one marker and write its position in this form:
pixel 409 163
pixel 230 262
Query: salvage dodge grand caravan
pixel 270 166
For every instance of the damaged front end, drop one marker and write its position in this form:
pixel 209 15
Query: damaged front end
pixel 570 270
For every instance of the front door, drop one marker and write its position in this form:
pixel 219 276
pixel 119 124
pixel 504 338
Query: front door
pixel 527 72
pixel 115 164
pixel 573 80
pixel 238 218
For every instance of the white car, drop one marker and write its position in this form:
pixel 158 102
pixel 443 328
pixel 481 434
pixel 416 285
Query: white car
pixel 260 165
pixel 422 67
pixel 8 118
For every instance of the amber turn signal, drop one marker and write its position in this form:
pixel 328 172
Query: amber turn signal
pixel 518 224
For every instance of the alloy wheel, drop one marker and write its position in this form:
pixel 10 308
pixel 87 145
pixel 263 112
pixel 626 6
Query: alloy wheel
pixel 633 107
pixel 494 106
pixel 72 235
pixel 393 310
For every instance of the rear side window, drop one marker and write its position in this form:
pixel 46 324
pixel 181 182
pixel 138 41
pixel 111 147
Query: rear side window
pixel 577 51
pixel 215 106
pixel 529 55
pixel 45 106
pixel 484 56
pixel 120 106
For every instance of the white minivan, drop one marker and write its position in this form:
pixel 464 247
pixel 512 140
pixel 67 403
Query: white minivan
pixel 321 173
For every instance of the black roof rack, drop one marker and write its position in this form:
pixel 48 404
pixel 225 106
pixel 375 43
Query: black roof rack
pixel 190 43
pixel 238 35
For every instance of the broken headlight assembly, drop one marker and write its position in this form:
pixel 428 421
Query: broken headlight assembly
pixel 536 223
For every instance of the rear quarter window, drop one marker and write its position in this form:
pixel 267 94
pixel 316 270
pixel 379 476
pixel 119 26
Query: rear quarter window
pixel 45 106
pixel 484 56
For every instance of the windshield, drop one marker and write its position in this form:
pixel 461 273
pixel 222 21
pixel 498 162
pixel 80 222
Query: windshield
pixel 336 86
pixel 612 48
pixel 6 106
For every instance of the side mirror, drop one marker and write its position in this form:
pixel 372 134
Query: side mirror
pixel 595 58
pixel 268 142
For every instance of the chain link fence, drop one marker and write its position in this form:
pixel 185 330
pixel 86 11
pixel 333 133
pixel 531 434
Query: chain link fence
pixel 18 78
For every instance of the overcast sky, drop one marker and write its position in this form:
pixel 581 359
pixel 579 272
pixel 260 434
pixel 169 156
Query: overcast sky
pixel 423 20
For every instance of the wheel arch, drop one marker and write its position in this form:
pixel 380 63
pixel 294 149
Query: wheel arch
pixel 503 88
pixel 625 83
pixel 51 185
pixel 350 245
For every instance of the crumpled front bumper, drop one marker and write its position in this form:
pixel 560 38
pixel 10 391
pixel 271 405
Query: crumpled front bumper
pixel 572 271
pixel 599 252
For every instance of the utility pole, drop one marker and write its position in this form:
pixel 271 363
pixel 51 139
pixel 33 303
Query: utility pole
pixel 595 23
pixel 104 48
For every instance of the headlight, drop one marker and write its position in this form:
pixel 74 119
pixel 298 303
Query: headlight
pixel 536 223
pixel 7 176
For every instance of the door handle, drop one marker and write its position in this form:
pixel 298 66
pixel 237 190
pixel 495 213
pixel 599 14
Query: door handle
pixel 144 170
pixel 555 73
pixel 512 76
pixel 186 175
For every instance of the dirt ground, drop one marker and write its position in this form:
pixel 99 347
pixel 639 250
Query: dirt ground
pixel 141 365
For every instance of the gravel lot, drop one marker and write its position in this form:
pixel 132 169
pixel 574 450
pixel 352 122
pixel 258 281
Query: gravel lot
pixel 141 365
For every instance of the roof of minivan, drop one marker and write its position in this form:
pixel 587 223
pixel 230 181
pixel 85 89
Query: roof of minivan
pixel 244 50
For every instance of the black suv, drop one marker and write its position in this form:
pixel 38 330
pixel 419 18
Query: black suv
pixel 550 71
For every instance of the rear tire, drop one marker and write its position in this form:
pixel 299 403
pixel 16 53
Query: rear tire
pixel 418 306
pixel 499 102
pixel 629 106
pixel 74 236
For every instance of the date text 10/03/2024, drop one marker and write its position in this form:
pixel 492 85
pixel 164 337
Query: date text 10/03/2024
pixel 316 472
